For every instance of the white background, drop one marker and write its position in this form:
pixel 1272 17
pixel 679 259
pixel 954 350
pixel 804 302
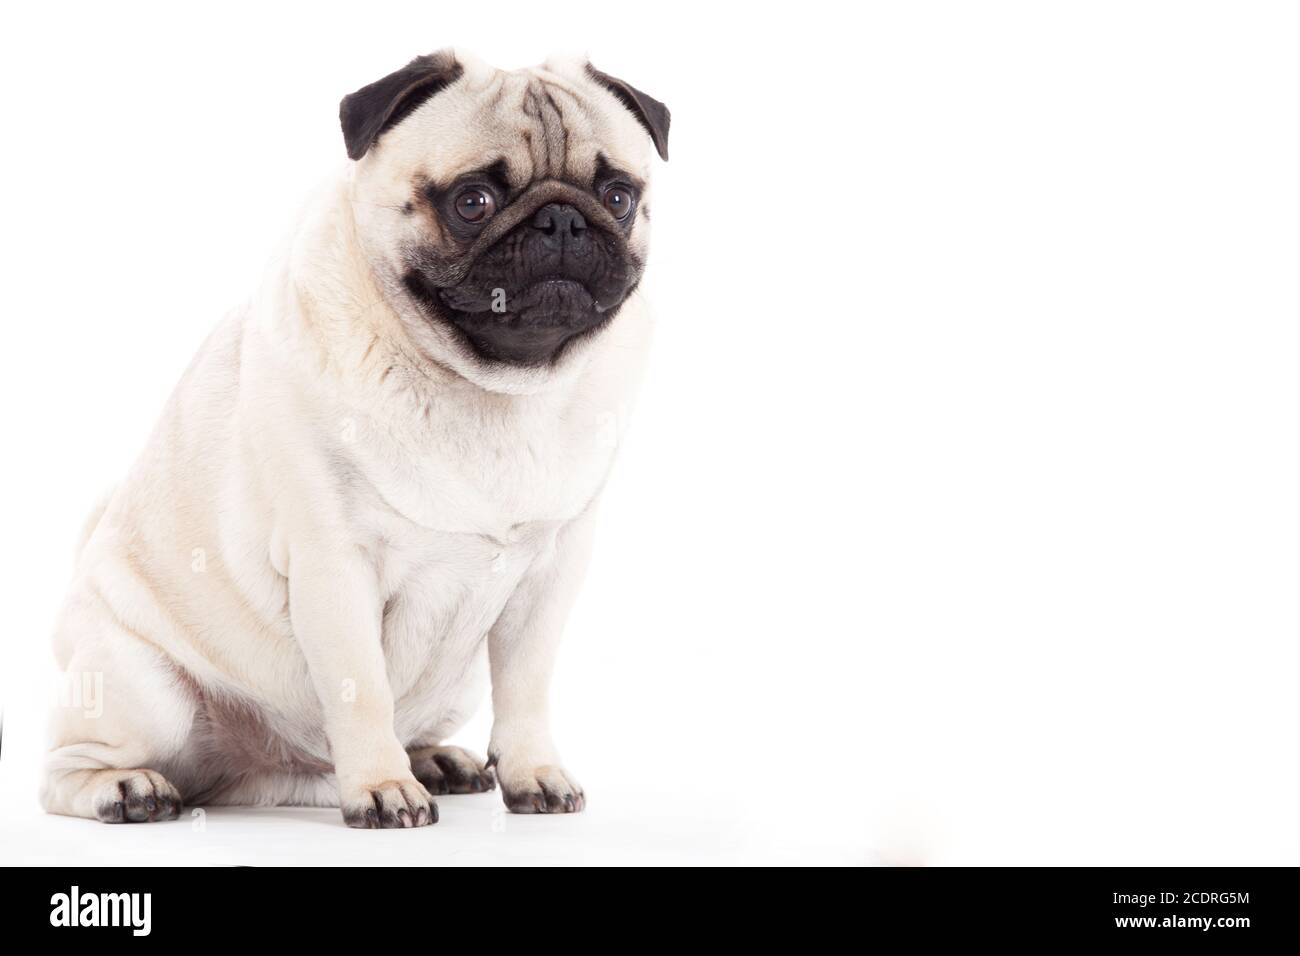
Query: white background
pixel 958 521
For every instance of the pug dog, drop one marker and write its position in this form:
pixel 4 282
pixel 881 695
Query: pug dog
pixel 374 488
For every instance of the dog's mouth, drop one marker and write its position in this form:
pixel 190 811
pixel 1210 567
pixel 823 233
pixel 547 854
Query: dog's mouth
pixel 541 276
pixel 553 299
pixel 529 325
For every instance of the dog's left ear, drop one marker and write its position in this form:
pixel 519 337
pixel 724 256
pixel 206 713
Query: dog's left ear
pixel 652 114
pixel 373 109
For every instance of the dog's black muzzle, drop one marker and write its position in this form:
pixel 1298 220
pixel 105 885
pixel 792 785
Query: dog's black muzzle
pixel 550 268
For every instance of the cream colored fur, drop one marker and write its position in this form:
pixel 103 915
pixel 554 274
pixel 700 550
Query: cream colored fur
pixel 344 523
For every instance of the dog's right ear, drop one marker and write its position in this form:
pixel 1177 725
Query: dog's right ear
pixel 371 110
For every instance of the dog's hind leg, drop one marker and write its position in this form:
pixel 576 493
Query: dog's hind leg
pixel 447 769
pixel 124 714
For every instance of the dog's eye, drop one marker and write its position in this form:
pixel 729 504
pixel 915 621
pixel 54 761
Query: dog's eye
pixel 618 201
pixel 474 204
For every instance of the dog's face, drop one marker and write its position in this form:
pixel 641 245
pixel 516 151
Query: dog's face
pixel 506 214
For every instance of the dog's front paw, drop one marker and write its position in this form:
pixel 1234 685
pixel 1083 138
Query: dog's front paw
pixel 389 805
pixel 545 789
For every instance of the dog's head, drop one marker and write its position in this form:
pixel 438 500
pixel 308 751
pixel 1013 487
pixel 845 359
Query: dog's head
pixel 507 214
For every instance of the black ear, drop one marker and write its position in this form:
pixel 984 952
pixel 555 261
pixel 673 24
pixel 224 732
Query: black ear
pixel 652 114
pixel 383 104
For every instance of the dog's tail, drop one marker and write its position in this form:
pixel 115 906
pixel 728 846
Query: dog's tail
pixel 92 520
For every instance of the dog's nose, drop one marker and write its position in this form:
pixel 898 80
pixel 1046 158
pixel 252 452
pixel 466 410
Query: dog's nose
pixel 559 219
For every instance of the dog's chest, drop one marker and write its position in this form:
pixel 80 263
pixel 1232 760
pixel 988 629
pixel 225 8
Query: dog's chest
pixel 492 473
pixel 452 538
pixel 443 582
pixel 443 592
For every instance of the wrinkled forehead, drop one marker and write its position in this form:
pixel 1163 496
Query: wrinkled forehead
pixel 542 125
